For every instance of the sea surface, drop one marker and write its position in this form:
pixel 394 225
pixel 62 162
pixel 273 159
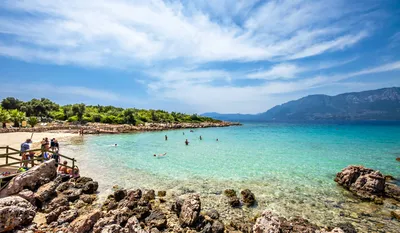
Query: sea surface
pixel 289 166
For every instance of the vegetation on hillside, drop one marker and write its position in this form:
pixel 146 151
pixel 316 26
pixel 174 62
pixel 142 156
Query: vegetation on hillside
pixel 14 110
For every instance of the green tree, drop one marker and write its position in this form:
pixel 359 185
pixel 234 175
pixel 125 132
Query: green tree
pixel 32 121
pixel 17 117
pixel 10 103
pixel 129 116
pixel 4 117
pixel 79 110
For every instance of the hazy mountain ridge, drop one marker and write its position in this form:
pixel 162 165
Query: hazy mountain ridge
pixel 380 104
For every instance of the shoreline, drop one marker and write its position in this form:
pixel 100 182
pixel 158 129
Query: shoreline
pixel 100 128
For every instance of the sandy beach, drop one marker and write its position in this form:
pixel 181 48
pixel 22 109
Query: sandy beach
pixel 15 139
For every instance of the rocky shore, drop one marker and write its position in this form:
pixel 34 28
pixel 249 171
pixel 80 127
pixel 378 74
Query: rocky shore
pixel 39 200
pixel 96 128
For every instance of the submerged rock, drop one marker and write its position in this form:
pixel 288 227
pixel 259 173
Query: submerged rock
pixel 15 211
pixel 396 214
pixel 230 193
pixel 31 179
pixel 248 197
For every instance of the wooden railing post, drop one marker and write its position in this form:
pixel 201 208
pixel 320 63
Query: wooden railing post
pixel 73 167
pixel 7 155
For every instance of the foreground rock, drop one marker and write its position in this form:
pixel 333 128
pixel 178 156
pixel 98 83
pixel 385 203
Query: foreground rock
pixel 32 179
pixel 84 223
pixel 190 210
pixel 363 182
pixel 270 223
pixel 15 211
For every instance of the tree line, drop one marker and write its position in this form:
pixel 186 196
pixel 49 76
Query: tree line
pixel 44 110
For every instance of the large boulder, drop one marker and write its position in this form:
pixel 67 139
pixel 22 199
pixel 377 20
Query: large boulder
pixel 31 179
pixel 15 211
pixel 267 223
pixel 190 210
pixel 46 191
pixel 363 182
pixel 84 223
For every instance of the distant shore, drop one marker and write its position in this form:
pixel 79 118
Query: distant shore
pixel 100 128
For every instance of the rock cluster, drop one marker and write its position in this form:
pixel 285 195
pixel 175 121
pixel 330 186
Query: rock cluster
pixel 270 223
pixel 248 198
pixel 367 184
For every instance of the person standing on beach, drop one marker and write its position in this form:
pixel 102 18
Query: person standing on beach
pixel 187 142
pixel 56 145
pixel 24 147
pixel 166 138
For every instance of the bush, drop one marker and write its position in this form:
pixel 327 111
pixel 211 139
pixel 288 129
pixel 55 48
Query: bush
pixel 32 121
pixel 73 119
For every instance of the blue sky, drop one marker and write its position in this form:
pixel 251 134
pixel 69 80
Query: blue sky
pixel 196 56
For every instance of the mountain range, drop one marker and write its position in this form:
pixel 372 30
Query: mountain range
pixel 380 104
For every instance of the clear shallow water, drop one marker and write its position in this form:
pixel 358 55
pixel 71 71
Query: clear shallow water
pixel 290 167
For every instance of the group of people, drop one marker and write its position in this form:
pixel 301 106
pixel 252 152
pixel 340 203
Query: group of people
pixel 65 170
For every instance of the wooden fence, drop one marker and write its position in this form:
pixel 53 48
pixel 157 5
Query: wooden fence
pixel 12 152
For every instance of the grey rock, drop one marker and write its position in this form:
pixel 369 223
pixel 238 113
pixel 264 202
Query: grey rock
pixel 90 187
pixel 15 211
pixel 67 216
pixel 156 219
pixel 267 223
pixel 190 210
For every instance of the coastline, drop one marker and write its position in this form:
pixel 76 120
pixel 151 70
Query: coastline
pixel 101 128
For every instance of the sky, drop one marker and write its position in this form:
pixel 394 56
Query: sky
pixel 226 56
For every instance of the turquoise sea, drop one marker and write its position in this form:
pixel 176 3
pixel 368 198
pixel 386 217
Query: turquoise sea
pixel 290 167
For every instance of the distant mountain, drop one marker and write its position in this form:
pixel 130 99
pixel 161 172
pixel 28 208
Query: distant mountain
pixel 381 104
pixel 231 117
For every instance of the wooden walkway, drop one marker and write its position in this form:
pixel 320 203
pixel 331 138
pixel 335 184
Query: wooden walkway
pixel 13 161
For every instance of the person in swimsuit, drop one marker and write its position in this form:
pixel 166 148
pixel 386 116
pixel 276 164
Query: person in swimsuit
pixel 187 142
pixel 160 155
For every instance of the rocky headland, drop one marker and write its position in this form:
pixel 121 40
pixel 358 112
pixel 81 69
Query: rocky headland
pixel 100 128
pixel 39 200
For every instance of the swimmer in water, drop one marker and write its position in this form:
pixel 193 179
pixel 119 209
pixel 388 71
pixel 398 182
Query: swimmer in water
pixel 201 138
pixel 187 142
pixel 166 137
pixel 217 140
pixel 160 154
pixel 115 144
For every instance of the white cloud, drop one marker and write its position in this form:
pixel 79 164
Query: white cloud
pixel 109 33
pixel 285 71
pixel 54 90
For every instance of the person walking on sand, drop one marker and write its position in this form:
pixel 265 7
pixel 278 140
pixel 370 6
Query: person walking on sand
pixel 187 142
